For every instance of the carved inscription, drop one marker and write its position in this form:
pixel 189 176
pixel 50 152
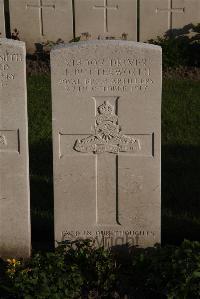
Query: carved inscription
pixel 107 75
pixel 6 61
pixel 9 141
pixel 109 238
pixel 108 136
pixel 3 140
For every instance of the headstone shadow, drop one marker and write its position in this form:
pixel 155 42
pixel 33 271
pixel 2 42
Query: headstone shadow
pixel 41 185
pixel 180 193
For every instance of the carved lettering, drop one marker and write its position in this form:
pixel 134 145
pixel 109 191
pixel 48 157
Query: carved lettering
pixel 105 75
pixel 109 238
pixel 3 140
pixel 9 141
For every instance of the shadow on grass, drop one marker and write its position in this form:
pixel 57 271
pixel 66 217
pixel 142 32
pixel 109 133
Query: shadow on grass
pixel 41 185
pixel 180 194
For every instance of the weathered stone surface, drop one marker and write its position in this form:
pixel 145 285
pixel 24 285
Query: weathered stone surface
pixel 2 19
pixel 14 169
pixel 106 136
pixel 159 16
pixel 106 18
pixel 39 21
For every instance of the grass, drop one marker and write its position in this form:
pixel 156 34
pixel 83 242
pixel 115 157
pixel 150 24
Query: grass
pixel 41 160
pixel 180 161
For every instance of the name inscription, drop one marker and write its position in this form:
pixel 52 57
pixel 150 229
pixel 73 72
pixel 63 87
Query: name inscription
pixel 106 75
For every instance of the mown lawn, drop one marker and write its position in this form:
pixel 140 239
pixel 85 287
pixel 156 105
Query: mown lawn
pixel 180 161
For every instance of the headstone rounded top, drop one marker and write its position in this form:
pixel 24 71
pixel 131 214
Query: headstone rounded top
pixel 106 43
pixel 12 42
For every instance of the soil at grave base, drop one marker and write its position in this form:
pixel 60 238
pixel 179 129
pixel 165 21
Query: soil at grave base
pixel 40 66
pixel 37 66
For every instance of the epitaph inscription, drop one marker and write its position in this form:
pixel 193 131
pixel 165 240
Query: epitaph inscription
pixel 110 238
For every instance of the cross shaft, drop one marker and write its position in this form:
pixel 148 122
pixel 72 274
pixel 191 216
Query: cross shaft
pixel 105 7
pixel 41 6
pixel 105 145
pixel 170 10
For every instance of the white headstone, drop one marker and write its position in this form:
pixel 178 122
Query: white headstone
pixel 159 16
pixel 106 136
pixel 15 236
pixel 40 21
pixel 2 19
pixel 106 18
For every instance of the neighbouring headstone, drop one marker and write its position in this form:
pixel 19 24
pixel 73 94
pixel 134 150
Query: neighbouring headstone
pixel 15 235
pixel 106 136
pixel 158 17
pixel 40 21
pixel 2 19
pixel 106 19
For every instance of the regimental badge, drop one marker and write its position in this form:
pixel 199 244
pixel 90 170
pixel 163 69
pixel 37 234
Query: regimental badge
pixel 108 136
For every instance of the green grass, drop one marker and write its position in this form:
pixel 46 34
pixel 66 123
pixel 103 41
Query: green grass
pixel 180 161
pixel 41 160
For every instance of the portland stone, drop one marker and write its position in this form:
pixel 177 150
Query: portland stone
pixel 158 17
pixel 106 137
pixel 40 21
pixel 106 19
pixel 14 169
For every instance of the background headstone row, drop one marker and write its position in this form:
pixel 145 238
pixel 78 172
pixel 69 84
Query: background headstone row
pixel 40 21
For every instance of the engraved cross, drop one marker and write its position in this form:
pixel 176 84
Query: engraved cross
pixel 107 144
pixel 105 7
pixel 41 6
pixel 170 10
